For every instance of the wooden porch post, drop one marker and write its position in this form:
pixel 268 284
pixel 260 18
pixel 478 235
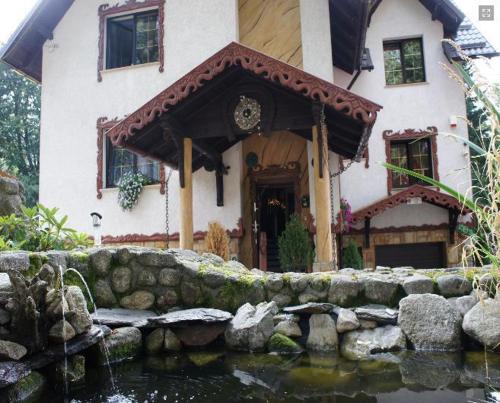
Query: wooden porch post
pixel 324 248
pixel 186 196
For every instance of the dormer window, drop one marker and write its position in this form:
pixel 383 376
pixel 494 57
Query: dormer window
pixel 132 39
pixel 404 61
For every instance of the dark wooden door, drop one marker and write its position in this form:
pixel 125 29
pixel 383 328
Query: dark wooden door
pixel 418 255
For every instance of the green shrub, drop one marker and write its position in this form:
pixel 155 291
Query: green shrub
pixel 295 248
pixel 352 257
pixel 39 229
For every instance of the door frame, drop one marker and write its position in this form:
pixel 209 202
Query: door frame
pixel 278 175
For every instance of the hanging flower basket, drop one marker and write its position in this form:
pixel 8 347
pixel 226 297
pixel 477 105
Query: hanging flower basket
pixel 129 190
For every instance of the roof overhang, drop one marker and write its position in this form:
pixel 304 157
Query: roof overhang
pixel 425 193
pixel 197 106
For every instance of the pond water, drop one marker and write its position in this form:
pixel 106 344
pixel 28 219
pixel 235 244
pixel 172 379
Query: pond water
pixel 217 376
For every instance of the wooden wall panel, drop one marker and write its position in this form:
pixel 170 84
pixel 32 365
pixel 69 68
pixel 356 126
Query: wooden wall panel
pixel 272 27
pixel 278 149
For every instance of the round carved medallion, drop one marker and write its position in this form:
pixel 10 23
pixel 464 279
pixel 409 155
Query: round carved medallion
pixel 247 113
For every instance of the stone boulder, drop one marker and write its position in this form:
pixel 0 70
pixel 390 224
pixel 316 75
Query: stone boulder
pixel 453 285
pixel 380 290
pixel 346 320
pixel 11 351
pixel 61 332
pixel 361 343
pixel 418 284
pixel 104 296
pixel 322 333
pixel 171 342
pixel 199 335
pixel 482 323
pixel 11 196
pixel 288 328
pixel 251 327
pixel 463 304
pixel 344 290
pixel 281 344
pixel 122 344
pixel 19 261
pixel 100 260
pixel 430 322
pixel 78 315
pixel 121 279
pixel 27 389
pixel 141 300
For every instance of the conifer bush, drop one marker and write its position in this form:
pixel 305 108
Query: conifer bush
pixel 295 248
pixel 352 258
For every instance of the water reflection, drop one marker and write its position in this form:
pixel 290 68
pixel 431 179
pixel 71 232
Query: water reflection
pixel 219 376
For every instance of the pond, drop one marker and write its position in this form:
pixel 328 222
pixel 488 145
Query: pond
pixel 218 376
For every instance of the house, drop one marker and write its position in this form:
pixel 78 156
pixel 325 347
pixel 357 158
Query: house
pixel 245 111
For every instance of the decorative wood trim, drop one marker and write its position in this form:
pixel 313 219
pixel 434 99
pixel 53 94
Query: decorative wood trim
pixel 266 67
pixel 411 134
pixel 426 194
pixel 408 228
pixel 105 10
pixel 102 125
pixel 235 233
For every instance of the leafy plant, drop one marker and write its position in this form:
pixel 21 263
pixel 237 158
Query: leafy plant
pixel 38 228
pixel 129 189
pixel 295 248
pixel 352 257
pixel 345 214
pixel 217 240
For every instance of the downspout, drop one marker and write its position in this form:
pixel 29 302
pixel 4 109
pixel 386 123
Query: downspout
pixel 354 79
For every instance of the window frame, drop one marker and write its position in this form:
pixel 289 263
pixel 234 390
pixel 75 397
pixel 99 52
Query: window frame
pixel 412 180
pixel 399 44
pixel 106 12
pixel 134 16
pixel 410 135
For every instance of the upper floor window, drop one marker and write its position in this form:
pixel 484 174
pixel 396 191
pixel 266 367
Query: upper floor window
pixel 120 161
pixel 404 61
pixel 132 39
pixel 414 155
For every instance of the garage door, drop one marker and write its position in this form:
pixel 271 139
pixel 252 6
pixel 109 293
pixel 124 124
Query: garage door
pixel 418 255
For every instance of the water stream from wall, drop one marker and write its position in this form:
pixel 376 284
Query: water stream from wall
pixel 65 373
pixel 105 346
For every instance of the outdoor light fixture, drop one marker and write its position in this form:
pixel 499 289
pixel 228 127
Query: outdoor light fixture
pixel 453 121
pixel 96 223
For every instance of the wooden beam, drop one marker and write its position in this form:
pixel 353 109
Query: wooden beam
pixel 319 159
pixel 367 233
pixel 324 247
pixel 219 183
pixel 453 220
pixel 186 197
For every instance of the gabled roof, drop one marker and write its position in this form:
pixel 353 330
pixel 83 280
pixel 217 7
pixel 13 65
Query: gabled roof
pixel 426 193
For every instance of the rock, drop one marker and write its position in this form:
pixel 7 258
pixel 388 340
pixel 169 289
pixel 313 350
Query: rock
pixel 124 343
pixel 4 317
pixel 11 196
pixel 214 279
pixel 482 323
pixel 18 261
pixel 56 258
pixel 279 343
pixel 322 333
pixel 169 298
pixel 430 322
pixel 104 296
pixel 78 314
pixel 418 284
pixel 5 285
pixel 344 290
pixel 146 278
pixel 380 290
pixel 184 317
pixel 199 335
pixel 73 373
pixel 202 358
pixel 169 277
pixel 121 279
pixel 298 281
pixel 100 260
pixel 251 327
pixel 463 304
pixel 282 299
pixel 171 342
pixel 288 328
pixel 367 324
pixel 118 317
pixel 27 389
pixel 190 292
pixel 212 258
pixel 61 332
pixel 55 304
pixel 377 313
pixel 453 285
pixel 346 321
pixel 309 308
pixel 154 341
pixel 359 344
pixel 141 300
pixel 125 254
pixel 157 258
pixel 12 371
pixel 11 351
pixel 274 282
pixel 284 317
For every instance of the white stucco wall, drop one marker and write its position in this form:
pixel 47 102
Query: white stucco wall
pixel 72 100
pixel 415 106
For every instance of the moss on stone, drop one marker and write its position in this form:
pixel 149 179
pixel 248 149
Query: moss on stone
pixel 36 262
pixel 80 257
pixel 27 389
pixel 202 358
pixel 279 343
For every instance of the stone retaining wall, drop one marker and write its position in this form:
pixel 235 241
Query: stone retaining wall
pixel 144 278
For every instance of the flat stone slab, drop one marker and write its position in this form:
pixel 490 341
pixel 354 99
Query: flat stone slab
pixel 378 313
pixel 187 316
pixel 310 308
pixel 118 317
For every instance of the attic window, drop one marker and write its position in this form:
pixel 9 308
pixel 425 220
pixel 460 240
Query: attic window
pixel 132 39
pixel 404 61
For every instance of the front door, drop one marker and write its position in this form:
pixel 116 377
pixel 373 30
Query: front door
pixel 275 204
